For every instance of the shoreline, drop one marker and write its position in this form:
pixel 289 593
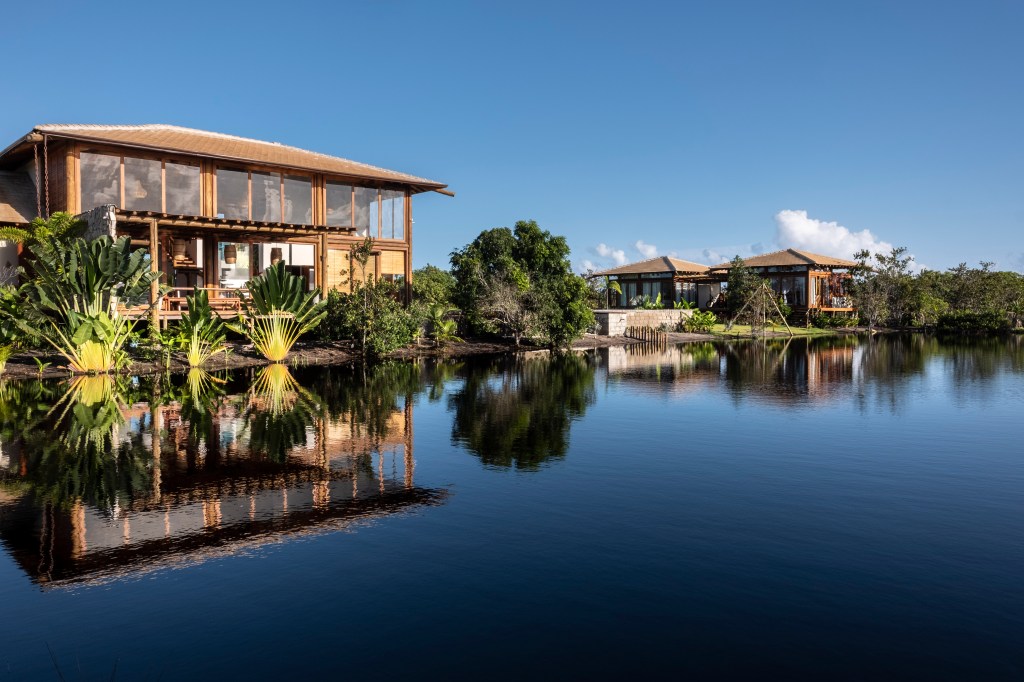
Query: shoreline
pixel 241 355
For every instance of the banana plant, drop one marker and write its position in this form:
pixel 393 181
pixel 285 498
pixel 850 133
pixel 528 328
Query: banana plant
pixel 278 311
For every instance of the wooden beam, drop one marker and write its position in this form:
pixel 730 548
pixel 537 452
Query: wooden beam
pixel 154 265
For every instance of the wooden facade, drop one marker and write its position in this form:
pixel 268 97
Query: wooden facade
pixel 160 185
pixel 807 282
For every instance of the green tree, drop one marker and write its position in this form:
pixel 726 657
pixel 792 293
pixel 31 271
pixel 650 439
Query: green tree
pixel 519 283
pixel 742 284
pixel 433 286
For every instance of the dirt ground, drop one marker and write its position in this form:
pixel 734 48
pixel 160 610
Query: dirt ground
pixel 240 355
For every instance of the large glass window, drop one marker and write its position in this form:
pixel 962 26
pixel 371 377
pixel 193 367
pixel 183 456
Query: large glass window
pixel 142 184
pixel 182 189
pixel 628 293
pixel 266 197
pixel 101 180
pixel 298 200
pixel 233 194
pixel 366 212
pixel 339 205
pixel 392 212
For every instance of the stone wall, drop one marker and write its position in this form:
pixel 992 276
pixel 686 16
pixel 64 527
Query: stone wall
pixel 614 322
pixel 101 221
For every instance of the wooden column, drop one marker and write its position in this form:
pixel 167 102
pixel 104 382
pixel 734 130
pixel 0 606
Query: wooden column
pixel 321 275
pixel 154 265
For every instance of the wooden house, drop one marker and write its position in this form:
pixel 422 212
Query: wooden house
pixel 215 209
pixel 670 278
pixel 807 282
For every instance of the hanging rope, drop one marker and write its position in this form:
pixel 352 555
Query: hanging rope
pixel 39 200
pixel 46 175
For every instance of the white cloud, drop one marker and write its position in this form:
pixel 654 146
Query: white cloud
pixel 795 229
pixel 586 265
pixel 617 255
pixel 645 249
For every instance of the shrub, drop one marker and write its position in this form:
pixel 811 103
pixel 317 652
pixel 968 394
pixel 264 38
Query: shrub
pixel 827 321
pixel 967 322
pixel 372 317
pixel 699 321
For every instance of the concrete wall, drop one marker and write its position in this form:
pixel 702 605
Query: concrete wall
pixel 614 322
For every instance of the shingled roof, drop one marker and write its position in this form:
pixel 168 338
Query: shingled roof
pixel 654 265
pixel 788 257
pixel 175 139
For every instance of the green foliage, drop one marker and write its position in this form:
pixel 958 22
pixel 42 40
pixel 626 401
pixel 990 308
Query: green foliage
pixel 742 284
pixel 831 321
pixel 202 328
pixel 72 302
pixel 433 286
pixel 6 351
pixel 441 328
pixel 968 322
pixel 959 300
pixel 372 316
pixel 684 305
pixel 277 312
pixel 59 229
pixel 647 304
pixel 518 283
pixel 699 321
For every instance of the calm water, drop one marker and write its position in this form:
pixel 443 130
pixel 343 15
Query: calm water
pixel 852 509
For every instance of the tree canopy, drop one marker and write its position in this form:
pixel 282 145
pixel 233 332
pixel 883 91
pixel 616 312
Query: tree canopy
pixel 518 283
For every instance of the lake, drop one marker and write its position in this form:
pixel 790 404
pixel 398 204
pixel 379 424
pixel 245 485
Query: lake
pixel 844 508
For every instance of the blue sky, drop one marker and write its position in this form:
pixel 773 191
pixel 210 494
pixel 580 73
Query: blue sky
pixel 701 129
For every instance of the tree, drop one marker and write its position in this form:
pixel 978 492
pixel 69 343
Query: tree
pixel 886 291
pixel 519 283
pixel 433 286
pixel 742 284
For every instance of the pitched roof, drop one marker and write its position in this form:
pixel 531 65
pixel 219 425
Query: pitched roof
pixel 17 198
pixel 170 138
pixel 652 265
pixel 789 257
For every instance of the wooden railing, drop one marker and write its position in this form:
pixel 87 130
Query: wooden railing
pixel 221 299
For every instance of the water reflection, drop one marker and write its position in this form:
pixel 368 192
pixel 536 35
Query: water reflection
pixel 878 370
pixel 516 411
pixel 101 477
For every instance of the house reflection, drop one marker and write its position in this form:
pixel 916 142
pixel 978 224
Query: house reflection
pixel 777 371
pixel 209 476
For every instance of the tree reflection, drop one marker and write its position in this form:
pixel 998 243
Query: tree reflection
pixel 367 397
pixel 516 412
pixel 79 450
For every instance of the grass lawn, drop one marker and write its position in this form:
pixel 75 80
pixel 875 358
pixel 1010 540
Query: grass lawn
pixel 744 330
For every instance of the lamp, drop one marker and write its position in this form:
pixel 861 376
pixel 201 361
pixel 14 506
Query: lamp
pixel 230 254
pixel 275 255
pixel 140 191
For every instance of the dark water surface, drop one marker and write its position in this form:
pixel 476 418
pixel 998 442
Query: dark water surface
pixel 840 509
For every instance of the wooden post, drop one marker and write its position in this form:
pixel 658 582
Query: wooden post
pixel 154 265
pixel 322 278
